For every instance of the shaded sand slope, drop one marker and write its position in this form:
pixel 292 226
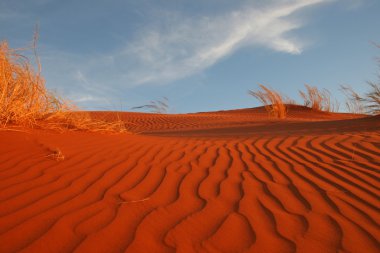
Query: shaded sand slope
pixel 209 182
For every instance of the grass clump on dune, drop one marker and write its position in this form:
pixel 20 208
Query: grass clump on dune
pixel 369 103
pixel 372 98
pixel 272 101
pixel 318 99
pixel 158 106
pixel 354 101
pixel 25 101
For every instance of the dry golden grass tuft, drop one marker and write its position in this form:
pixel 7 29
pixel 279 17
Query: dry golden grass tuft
pixel 354 102
pixel 23 97
pixel 25 101
pixel 81 120
pixel 368 103
pixel 373 98
pixel 272 101
pixel 319 99
pixel 158 106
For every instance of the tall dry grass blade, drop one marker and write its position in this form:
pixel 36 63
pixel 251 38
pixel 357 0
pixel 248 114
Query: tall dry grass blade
pixel 369 102
pixel 272 101
pixel 23 96
pixel 25 101
pixel 354 102
pixel 372 98
pixel 157 106
pixel 320 100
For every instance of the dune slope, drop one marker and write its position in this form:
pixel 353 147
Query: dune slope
pixel 232 181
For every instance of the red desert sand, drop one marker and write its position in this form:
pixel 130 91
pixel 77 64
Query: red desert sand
pixel 228 181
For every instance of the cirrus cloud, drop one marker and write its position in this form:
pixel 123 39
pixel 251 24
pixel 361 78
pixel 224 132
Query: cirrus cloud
pixel 179 46
pixel 173 45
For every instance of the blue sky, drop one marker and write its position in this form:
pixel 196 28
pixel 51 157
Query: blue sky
pixel 202 54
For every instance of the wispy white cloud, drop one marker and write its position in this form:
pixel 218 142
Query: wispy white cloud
pixel 79 76
pixel 176 45
pixel 85 98
pixel 180 46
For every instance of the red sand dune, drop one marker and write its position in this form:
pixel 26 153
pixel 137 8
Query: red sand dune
pixel 230 181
